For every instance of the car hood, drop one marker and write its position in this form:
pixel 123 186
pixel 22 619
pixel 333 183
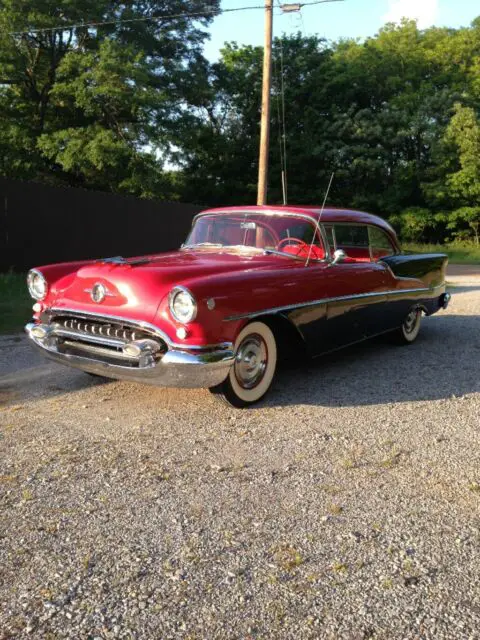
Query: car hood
pixel 134 288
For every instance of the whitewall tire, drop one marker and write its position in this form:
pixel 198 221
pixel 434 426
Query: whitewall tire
pixel 408 332
pixel 255 363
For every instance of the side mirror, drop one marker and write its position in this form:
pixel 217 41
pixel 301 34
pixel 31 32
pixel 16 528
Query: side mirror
pixel 338 256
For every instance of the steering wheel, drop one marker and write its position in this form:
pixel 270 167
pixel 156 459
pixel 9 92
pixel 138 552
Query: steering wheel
pixel 301 248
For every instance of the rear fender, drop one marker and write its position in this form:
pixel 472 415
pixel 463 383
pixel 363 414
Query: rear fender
pixel 430 268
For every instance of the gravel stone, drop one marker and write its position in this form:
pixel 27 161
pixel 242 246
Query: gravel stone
pixel 346 505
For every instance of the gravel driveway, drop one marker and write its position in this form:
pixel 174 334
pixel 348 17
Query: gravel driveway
pixel 345 506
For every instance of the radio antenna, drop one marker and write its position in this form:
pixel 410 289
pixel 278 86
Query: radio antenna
pixel 317 226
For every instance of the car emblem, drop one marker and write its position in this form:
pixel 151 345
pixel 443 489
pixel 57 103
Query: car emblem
pixel 98 292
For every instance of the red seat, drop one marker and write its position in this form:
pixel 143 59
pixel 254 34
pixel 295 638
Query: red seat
pixel 315 252
pixel 355 254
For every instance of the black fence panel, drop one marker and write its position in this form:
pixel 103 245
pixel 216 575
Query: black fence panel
pixel 41 225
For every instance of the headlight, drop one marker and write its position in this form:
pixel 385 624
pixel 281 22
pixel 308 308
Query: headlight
pixel 182 305
pixel 37 285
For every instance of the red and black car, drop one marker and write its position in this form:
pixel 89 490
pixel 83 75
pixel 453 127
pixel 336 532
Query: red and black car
pixel 247 282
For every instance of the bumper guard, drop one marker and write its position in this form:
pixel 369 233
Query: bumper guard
pixel 174 368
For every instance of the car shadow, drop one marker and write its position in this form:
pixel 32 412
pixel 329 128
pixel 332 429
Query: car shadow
pixel 462 288
pixel 443 362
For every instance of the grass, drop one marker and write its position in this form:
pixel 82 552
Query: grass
pixel 458 253
pixel 15 302
pixel 339 567
pixel 335 509
pixel 392 459
pixel 286 557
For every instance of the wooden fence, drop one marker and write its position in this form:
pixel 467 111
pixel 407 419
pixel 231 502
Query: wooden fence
pixel 41 225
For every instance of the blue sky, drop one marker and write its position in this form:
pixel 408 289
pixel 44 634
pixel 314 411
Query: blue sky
pixel 349 19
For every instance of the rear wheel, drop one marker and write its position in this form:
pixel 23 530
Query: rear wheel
pixel 252 373
pixel 410 328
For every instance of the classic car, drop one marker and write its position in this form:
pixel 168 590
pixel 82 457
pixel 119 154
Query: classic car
pixel 249 283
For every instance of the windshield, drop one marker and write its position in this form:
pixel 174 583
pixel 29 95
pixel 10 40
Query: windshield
pixel 287 234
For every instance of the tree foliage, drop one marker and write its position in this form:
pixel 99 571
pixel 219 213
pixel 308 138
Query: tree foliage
pixel 376 113
pixel 135 107
pixel 95 107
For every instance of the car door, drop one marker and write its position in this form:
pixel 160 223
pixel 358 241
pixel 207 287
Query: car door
pixel 357 288
pixel 348 298
pixel 355 311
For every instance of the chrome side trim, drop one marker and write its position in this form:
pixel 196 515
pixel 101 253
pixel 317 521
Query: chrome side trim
pixel 142 325
pixel 357 296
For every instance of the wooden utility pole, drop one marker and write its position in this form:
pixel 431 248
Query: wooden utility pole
pixel 265 121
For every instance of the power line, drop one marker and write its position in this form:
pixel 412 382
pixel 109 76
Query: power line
pixel 198 14
pixel 303 25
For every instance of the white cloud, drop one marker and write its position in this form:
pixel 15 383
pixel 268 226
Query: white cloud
pixel 424 11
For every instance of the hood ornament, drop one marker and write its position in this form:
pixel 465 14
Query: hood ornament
pixel 98 292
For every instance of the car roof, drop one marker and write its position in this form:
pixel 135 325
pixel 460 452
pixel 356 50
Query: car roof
pixel 329 214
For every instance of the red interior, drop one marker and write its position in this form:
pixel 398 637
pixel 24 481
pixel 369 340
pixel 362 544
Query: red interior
pixel 355 254
pixel 303 251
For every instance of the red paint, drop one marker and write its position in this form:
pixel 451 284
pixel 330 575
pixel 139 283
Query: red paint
pixel 239 284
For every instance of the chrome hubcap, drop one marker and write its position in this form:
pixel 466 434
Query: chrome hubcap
pixel 251 361
pixel 411 321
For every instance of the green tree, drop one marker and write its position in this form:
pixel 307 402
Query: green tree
pixel 219 145
pixel 375 113
pixel 96 106
pixel 464 184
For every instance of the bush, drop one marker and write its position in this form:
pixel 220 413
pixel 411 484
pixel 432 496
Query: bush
pixel 417 224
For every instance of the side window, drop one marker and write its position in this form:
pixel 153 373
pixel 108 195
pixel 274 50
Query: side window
pixel 351 235
pixel 380 244
pixel 353 239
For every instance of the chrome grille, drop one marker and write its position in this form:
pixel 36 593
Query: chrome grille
pixel 99 328
pixel 104 340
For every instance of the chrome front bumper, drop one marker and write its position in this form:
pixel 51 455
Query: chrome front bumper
pixel 174 368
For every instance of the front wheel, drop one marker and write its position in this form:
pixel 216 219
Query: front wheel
pixel 252 373
pixel 410 328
